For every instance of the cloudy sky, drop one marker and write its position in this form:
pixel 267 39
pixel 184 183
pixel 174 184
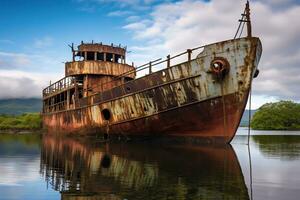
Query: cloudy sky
pixel 34 37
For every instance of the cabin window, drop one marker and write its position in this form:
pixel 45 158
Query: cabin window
pixel 90 55
pixel 100 56
pixel 79 79
pixel 118 58
pixel 109 57
pixel 79 56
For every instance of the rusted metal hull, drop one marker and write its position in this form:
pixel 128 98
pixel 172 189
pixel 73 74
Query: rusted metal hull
pixel 185 100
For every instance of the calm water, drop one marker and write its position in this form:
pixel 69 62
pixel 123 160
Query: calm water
pixel 32 167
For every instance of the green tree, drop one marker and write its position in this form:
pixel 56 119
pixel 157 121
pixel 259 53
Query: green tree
pixel 283 115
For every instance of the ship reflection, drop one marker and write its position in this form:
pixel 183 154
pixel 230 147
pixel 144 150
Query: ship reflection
pixel 87 169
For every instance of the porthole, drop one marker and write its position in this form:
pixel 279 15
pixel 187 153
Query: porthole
pixel 220 67
pixel 106 114
pixel 105 161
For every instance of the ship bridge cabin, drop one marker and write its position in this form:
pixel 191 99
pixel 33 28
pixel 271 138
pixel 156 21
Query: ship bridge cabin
pixel 95 68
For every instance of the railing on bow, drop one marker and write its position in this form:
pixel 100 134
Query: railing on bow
pixel 150 66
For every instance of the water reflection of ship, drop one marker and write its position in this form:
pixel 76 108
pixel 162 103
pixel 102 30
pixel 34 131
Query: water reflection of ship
pixel 82 169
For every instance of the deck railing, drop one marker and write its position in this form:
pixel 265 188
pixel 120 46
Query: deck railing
pixel 69 82
pixel 60 85
pixel 150 65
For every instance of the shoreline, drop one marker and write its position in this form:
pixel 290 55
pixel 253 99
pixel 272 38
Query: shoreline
pixel 39 131
pixel 21 131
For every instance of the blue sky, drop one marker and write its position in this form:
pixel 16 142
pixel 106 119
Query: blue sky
pixel 26 22
pixel 34 37
pixel 43 29
pixel 48 26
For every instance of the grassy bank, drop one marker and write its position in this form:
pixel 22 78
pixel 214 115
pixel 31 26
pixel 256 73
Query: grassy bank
pixel 27 121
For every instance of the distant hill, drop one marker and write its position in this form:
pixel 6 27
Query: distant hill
pixel 20 106
pixel 245 117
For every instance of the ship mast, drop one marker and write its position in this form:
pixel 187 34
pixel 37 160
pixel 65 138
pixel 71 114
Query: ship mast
pixel 247 15
pixel 245 19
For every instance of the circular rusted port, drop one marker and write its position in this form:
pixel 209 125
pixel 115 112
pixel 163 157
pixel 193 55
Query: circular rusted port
pixel 220 67
pixel 106 114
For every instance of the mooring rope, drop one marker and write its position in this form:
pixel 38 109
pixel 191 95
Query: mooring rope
pixel 250 171
pixel 248 143
pixel 249 115
pixel 242 30
pixel 224 112
pixel 241 21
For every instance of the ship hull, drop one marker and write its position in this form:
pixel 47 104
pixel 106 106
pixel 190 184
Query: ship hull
pixel 186 100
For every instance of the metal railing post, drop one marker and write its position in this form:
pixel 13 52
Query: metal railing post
pixel 150 67
pixel 189 51
pixel 168 60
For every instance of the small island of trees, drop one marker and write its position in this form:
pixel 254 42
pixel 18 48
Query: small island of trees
pixel 283 115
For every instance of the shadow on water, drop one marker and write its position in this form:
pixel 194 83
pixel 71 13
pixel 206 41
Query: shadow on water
pixel 91 169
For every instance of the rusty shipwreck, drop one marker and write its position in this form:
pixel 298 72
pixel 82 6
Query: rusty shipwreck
pixel 203 96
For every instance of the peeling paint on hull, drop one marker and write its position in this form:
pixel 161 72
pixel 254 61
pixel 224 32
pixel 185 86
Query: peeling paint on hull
pixel 185 100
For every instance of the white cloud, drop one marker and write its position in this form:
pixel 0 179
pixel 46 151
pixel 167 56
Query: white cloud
pixel 189 23
pixel 279 4
pixel 5 41
pixel 25 75
pixel 135 26
pixel 132 18
pixel 29 62
pixel 258 100
pixel 13 60
pixel 137 5
pixel 43 42
pixel 20 84
pixel 119 13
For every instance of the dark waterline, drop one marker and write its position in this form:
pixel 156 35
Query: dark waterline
pixel 32 167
